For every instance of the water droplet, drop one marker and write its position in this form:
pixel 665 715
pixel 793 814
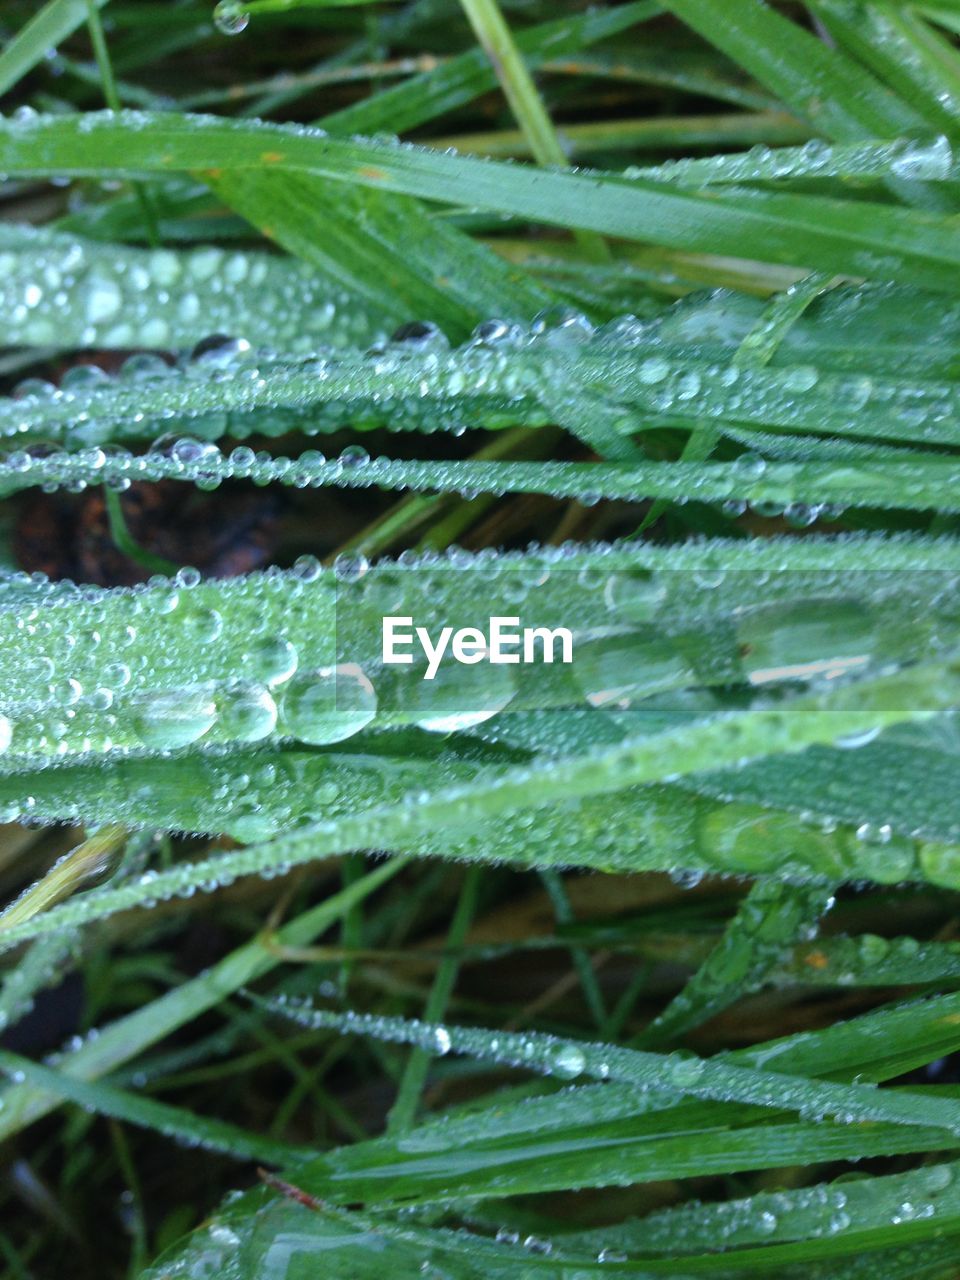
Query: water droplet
pixel 492 332
pixel 636 596
pixel 220 349
pixel 190 451
pixel 169 718
pixel 307 568
pixel 83 377
pixel 654 370
pixel 230 18
pixel 938 1177
pixel 686 1071
pixel 350 567
pixel 458 697
pixel 918 160
pixel 750 465
pixel 354 455
pixel 568 1061
pixel 205 625
pixel 273 660
pixel 419 334
pixel 619 669
pixel 328 705
pixel 851 741
pixel 815 639
pixel 116 675
pixel 801 378
pixel 246 714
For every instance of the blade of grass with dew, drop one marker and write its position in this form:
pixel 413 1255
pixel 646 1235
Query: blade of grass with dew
pixel 173 1122
pixel 929 158
pixel 859 709
pixel 913 481
pixel 639 829
pixel 770 918
pixel 386 249
pixel 850 237
pixel 675 1075
pixel 106 296
pixel 625 378
pixel 598 1134
pixel 904 51
pixel 185 694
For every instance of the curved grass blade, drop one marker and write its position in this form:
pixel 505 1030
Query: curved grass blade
pixel 172 1122
pixel 904 51
pixel 855 238
pixel 55 21
pixel 913 481
pixel 626 377
pixel 824 85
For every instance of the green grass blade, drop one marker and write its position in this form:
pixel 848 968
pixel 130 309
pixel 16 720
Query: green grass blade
pixel 51 24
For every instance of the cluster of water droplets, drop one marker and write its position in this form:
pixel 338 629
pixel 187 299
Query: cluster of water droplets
pixel 506 371
pixel 819 1212
pixel 928 159
pixel 174 662
pixel 104 672
pixel 672 1073
pixel 58 290
pixel 204 464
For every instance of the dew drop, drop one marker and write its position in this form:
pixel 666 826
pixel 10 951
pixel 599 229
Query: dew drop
pixel 220 349
pixel 350 568
pixel 273 660
pixel 328 705
pixel 568 1061
pixel 171 718
pixel 230 18
pixel 246 714
pixel 938 1177
pixel 686 1071
pixel 205 625
pixel 458 697
pixel 418 334
pixel 750 465
pixel 354 455
pixel 116 675
pixel 654 370
pixel 144 367
pixel 190 451
pixel 307 568
pixel 801 378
